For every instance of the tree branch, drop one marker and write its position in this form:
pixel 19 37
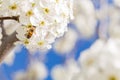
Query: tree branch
pixel 10 18
pixel 7 44
pixel 7 40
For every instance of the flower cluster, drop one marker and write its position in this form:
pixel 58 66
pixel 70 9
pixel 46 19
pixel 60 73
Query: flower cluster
pixel 41 21
pixel 101 61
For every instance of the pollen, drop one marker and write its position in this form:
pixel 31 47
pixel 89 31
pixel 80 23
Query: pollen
pixel 40 43
pixel 42 23
pixel 46 10
pixel 29 25
pixel 64 15
pixel 29 13
pixel 0 2
pixel 112 77
pixel 13 6
pixel 90 62
pixel 26 42
pixel 33 4
pixel 57 1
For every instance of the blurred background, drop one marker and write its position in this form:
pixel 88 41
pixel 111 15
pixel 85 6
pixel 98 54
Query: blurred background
pixel 96 25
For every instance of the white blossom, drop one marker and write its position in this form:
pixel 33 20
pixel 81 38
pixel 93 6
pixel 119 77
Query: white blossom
pixel 65 72
pixel 67 42
pixel 85 17
pixel 10 26
pixel 10 8
pixel 36 71
pixel 114 22
pixel 78 76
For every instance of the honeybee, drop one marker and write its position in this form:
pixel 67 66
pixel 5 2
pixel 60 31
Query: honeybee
pixel 30 32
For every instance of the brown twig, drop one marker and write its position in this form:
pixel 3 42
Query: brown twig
pixel 7 44
pixel 10 18
pixel 7 40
